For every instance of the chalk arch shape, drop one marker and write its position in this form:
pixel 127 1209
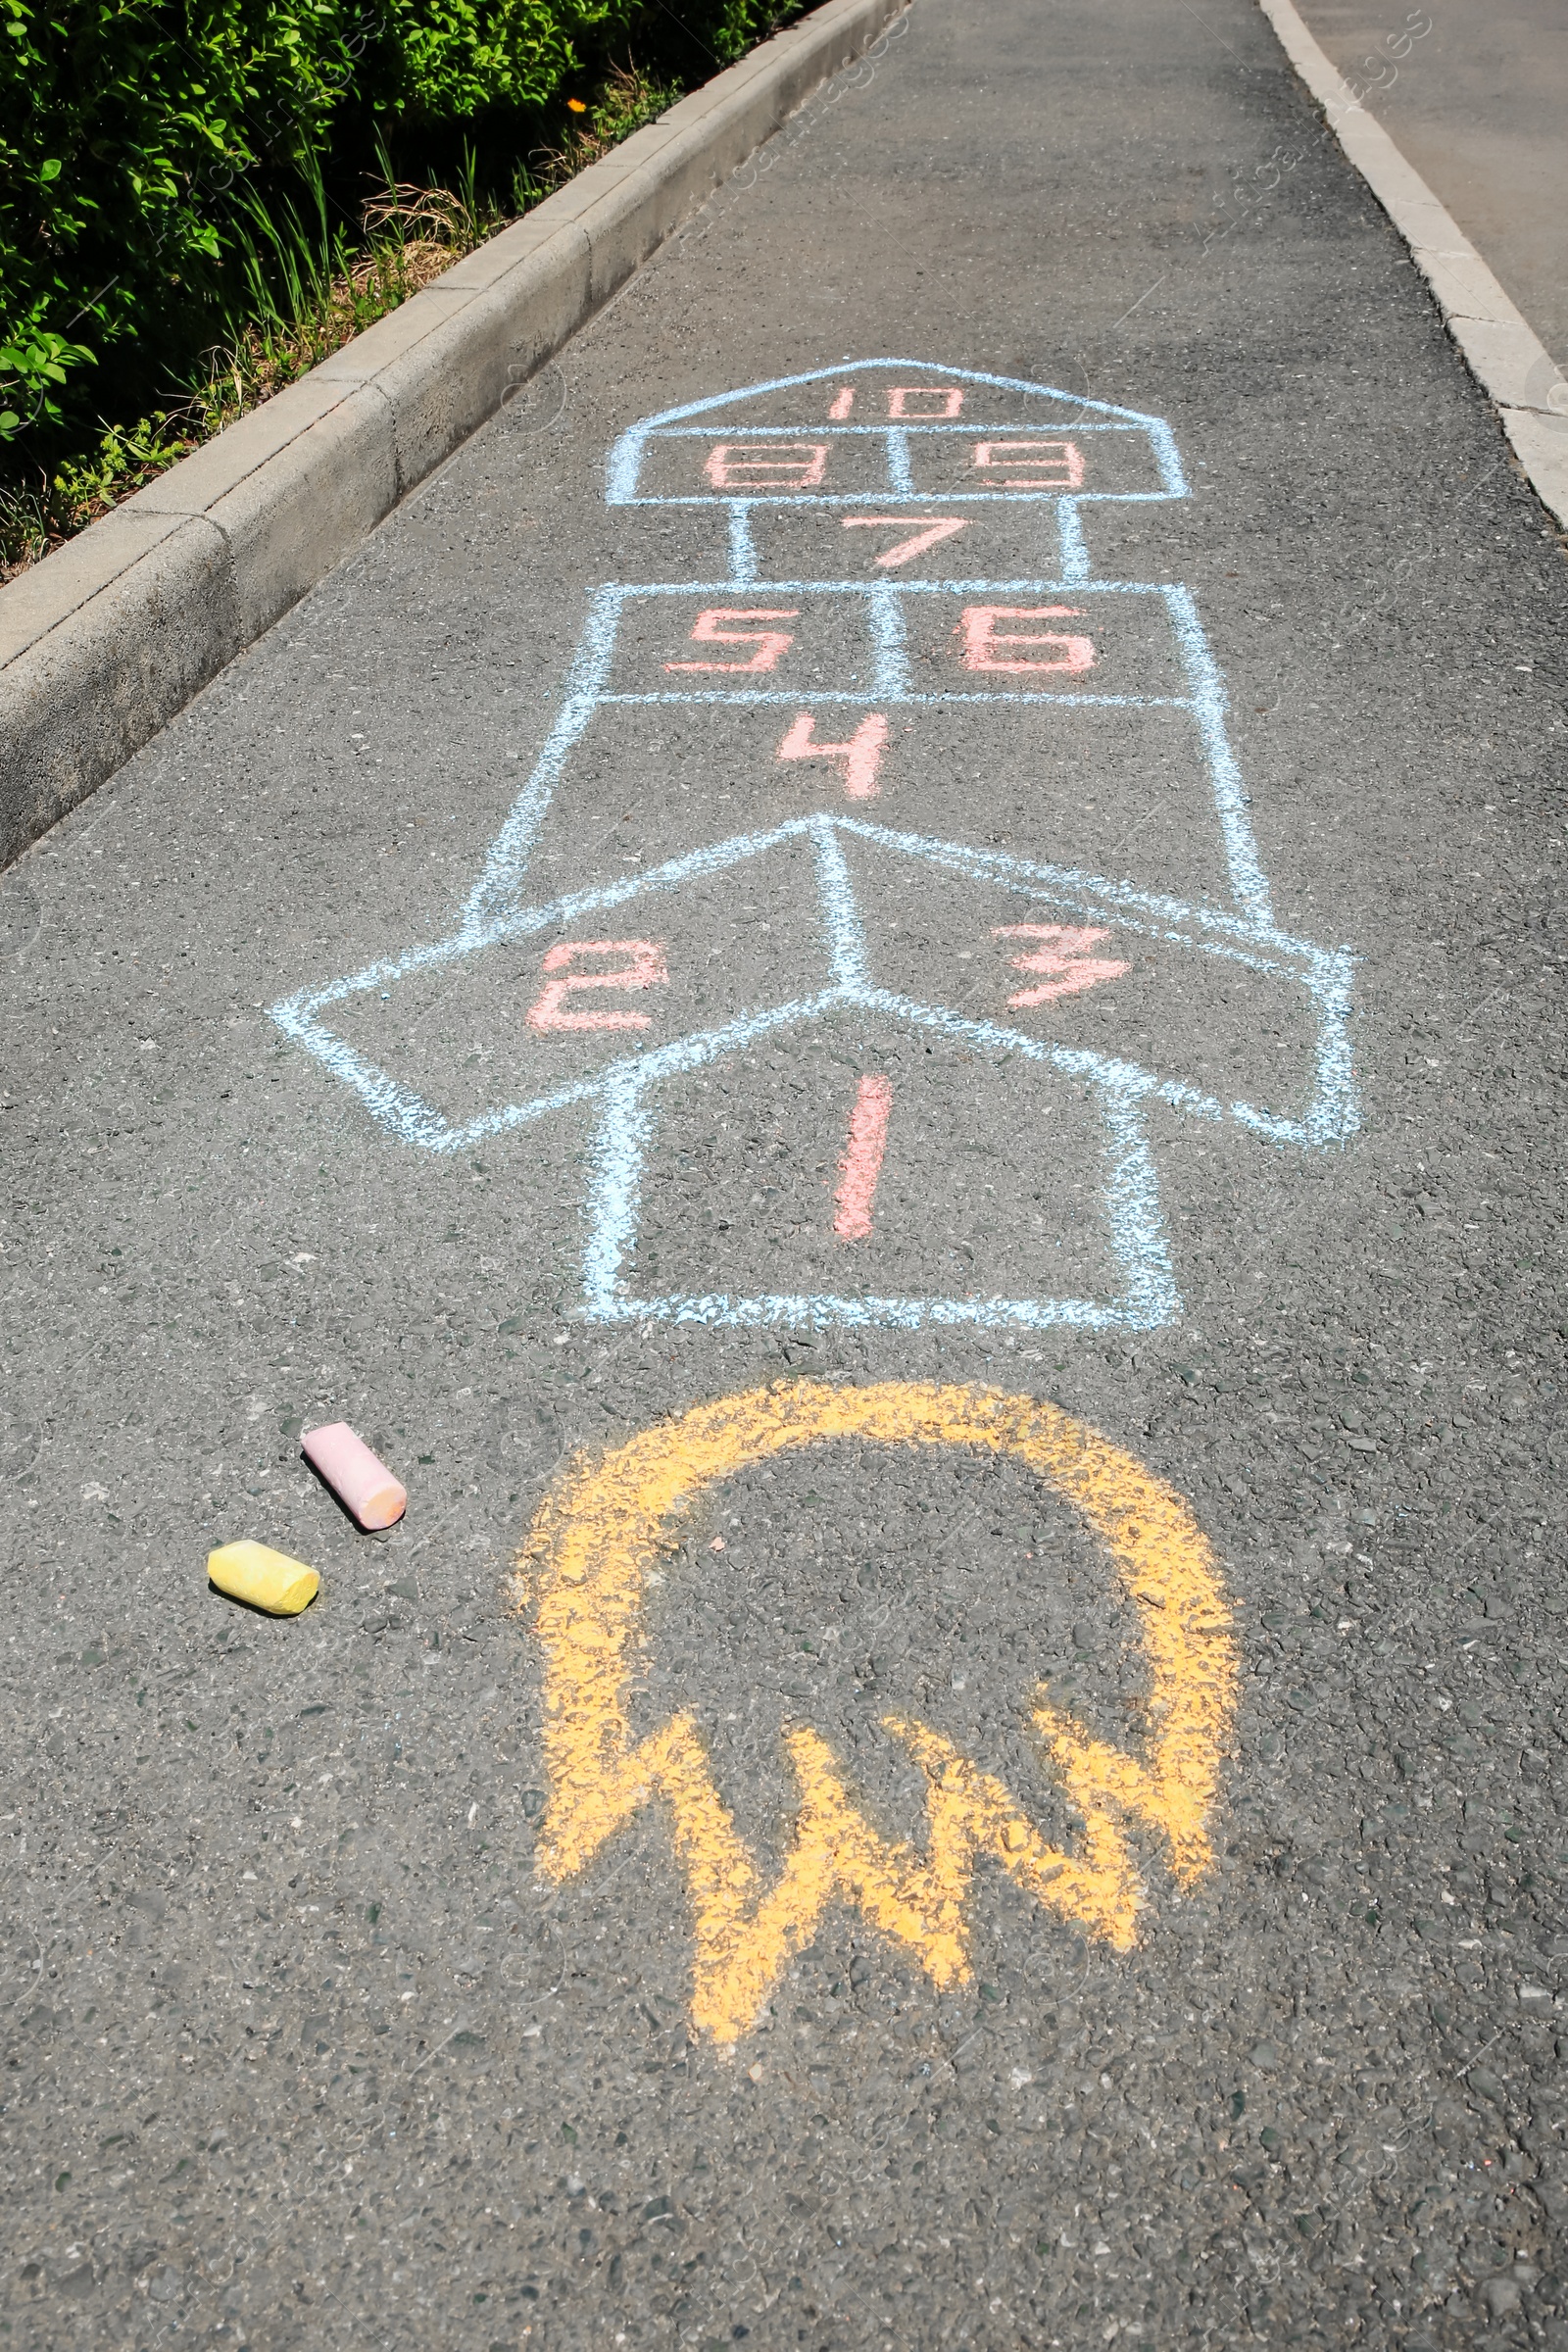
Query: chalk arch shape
pixel 585 1561
pixel 1056 405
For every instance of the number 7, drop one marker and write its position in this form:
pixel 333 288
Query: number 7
pixel 938 528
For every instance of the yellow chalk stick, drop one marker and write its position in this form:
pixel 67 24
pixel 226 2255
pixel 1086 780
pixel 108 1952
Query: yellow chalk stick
pixel 267 1578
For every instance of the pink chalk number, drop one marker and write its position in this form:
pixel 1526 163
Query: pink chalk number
pixel 645 971
pixel 981 638
pixel 1041 466
pixel 1064 954
pixel 931 533
pixel 861 1164
pixel 769 643
pixel 859 757
pixel 766 465
pixel 948 400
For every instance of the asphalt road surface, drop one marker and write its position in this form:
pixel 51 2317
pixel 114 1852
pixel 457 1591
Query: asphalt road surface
pixel 1475 96
pixel 905 1051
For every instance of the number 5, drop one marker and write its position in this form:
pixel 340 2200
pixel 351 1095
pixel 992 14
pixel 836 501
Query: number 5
pixel 769 643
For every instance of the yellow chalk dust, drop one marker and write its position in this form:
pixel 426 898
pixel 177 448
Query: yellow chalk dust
pixel 587 1554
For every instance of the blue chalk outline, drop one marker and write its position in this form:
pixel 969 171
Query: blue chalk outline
pixel 1136 1229
pixel 623 470
pixel 587 691
pixel 625 1087
pixel 625 458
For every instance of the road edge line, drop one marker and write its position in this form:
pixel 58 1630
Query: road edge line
pixel 106 639
pixel 1498 345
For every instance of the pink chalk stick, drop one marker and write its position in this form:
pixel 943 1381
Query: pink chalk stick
pixel 364 1485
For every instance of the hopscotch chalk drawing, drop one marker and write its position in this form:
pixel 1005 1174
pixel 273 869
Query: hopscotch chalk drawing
pixel 913 792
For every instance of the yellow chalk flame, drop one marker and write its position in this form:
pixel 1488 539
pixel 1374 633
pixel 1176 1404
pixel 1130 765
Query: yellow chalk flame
pixel 589 1548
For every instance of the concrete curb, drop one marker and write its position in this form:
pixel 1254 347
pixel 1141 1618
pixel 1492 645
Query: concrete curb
pixel 1501 348
pixel 104 640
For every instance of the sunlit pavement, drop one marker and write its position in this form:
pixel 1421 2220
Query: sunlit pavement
pixel 881 995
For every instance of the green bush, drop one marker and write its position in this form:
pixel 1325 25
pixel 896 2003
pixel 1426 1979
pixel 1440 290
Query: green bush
pixel 141 142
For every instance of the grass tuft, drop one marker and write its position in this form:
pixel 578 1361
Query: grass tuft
pixel 625 102
pixel 308 287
